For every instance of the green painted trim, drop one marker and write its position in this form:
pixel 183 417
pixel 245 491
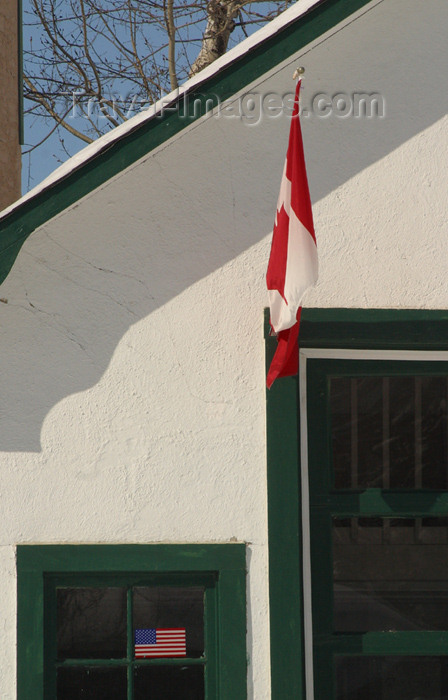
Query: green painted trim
pixel 144 558
pixel 393 643
pixel 231 642
pixel 399 329
pixel 134 145
pixel 284 526
pixel 221 566
pixel 30 623
pixel 398 504
pixel 373 329
pixel 144 578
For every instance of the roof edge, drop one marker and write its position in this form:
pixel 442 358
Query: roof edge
pixel 111 154
pixel 296 11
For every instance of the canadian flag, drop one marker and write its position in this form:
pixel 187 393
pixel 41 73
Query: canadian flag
pixel 292 264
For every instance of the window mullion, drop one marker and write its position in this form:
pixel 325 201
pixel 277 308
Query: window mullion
pixel 354 432
pixel 418 433
pixel 354 451
pixel 386 433
pixel 386 447
pixel 418 481
pixel 446 428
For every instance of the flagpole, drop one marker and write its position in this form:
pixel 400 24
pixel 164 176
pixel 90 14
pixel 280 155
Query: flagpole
pixel 292 266
pixel 299 71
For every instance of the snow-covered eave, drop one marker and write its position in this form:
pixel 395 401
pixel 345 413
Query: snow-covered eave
pixel 289 16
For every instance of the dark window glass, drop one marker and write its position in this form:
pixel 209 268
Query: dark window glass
pixel 390 574
pixel 341 431
pixel 391 678
pixel 434 433
pixel 389 432
pixel 91 684
pixel 405 470
pixel 164 607
pixel 91 623
pixel 169 683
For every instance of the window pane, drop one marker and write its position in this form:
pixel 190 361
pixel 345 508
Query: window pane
pixel 389 432
pixel 92 684
pixel 169 683
pixel 390 574
pixel 91 623
pixel 391 678
pixel 158 607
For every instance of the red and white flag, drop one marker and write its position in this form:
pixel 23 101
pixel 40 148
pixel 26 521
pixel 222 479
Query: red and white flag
pixel 292 264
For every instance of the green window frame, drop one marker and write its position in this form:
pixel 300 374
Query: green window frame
pixel 326 503
pixel 219 568
pixel 293 438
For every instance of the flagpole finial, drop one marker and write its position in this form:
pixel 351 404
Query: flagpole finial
pixel 299 71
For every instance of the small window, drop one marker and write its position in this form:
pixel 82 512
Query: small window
pixel 131 636
pixel 119 635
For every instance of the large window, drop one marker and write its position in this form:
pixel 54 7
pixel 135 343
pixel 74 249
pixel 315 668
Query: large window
pixel 378 518
pixel 358 509
pixel 139 622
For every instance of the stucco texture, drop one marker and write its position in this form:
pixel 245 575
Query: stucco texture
pixel 132 343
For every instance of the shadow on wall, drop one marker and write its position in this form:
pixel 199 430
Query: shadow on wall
pixel 82 280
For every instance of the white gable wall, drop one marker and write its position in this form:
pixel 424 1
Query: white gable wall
pixel 132 349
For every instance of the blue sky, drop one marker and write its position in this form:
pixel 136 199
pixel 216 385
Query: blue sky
pixel 44 159
pixel 41 160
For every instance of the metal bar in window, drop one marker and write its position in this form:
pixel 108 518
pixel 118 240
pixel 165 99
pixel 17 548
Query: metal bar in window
pixel 418 447
pixel 386 433
pixel 446 431
pixel 418 433
pixel 354 452
pixel 354 432
pixel 386 447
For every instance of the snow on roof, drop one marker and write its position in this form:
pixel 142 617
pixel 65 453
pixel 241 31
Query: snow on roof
pixel 299 9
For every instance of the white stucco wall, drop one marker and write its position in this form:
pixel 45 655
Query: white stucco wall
pixel 132 374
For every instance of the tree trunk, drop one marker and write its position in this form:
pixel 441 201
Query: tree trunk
pixel 220 25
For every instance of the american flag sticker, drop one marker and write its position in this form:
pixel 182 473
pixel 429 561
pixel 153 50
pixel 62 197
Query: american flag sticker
pixel 160 642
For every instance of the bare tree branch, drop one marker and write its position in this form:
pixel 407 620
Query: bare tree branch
pixel 60 121
pixel 108 58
